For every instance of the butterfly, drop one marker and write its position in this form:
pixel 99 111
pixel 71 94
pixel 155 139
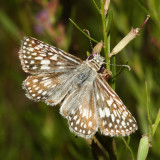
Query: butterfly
pixel 87 100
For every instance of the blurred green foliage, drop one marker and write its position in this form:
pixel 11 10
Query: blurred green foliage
pixel 30 130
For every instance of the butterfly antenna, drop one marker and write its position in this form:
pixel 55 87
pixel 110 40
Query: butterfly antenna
pixel 123 65
pixel 87 31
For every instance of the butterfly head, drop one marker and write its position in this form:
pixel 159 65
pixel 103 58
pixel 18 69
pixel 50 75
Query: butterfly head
pixel 95 61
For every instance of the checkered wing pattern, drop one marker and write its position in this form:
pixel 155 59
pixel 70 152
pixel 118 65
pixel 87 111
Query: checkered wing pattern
pixel 112 115
pixel 38 57
pixel 80 109
pixel 52 70
pixel 88 102
pixel 51 88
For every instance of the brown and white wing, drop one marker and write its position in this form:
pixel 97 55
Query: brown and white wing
pixel 112 115
pixel 38 57
pixel 79 108
pixel 51 88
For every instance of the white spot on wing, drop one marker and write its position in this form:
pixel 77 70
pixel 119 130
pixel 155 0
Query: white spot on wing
pixel 97 96
pixel 34 54
pixel 110 125
pixel 85 113
pixel 123 123
pixel 110 101
pixel 31 49
pixel 40 91
pixel 112 117
pixel 35 80
pixel 45 67
pixel 90 124
pixel 107 111
pixel 117 121
pixel 32 62
pixel 27 83
pixel 47 83
pixel 39 58
pixel 54 57
pixel 75 117
pixel 44 93
pixel 45 61
pixel 101 113
pixel 77 122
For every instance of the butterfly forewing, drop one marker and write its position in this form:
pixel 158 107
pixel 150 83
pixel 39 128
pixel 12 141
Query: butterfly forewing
pixel 113 117
pixel 38 57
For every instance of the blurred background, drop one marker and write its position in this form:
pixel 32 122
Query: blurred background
pixel 30 130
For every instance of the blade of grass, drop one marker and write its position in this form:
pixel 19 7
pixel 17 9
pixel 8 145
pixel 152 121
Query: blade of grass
pixel 82 31
pixel 143 7
pixel 9 25
pixel 148 112
pixel 156 123
pixel 96 6
pixel 128 147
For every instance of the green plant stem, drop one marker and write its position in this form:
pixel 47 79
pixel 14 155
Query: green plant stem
pixel 113 69
pixel 96 6
pixel 83 31
pixel 148 112
pixel 128 147
pixel 156 123
pixel 104 34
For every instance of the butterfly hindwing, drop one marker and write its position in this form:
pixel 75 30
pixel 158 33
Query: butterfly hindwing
pixel 80 110
pixel 51 88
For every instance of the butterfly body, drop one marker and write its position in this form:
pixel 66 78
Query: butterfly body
pixel 87 100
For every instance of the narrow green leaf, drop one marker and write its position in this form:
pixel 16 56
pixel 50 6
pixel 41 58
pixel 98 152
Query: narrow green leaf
pixel 156 122
pixel 82 31
pixel 96 6
pixel 129 148
pixel 148 112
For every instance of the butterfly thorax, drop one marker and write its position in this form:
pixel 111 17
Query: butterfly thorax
pixel 95 61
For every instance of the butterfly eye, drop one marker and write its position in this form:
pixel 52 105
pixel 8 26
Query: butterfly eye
pixel 101 69
pixel 91 56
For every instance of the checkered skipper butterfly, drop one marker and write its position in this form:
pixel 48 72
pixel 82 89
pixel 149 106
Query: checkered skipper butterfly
pixel 87 100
